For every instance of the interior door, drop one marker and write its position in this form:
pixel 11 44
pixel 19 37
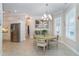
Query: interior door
pixel 15 32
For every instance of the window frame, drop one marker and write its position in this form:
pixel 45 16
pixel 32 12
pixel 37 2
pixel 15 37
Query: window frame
pixel 59 27
pixel 71 25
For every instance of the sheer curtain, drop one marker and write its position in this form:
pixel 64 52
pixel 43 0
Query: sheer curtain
pixel 70 24
pixel 58 25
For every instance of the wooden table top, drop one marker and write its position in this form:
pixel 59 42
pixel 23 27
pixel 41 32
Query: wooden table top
pixel 46 37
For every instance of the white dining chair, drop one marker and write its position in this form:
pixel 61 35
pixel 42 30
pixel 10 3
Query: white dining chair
pixel 42 43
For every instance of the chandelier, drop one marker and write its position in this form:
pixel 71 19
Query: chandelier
pixel 47 16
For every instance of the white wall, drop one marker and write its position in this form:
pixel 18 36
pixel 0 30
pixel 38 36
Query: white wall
pixel 32 27
pixel 50 28
pixel 1 19
pixel 22 31
pixel 62 15
pixel 74 45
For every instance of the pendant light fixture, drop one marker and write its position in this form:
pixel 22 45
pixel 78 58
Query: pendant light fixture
pixel 47 15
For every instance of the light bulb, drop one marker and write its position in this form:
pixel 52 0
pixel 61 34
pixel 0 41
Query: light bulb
pixel 42 17
pixel 50 16
pixel 45 15
pixel 15 11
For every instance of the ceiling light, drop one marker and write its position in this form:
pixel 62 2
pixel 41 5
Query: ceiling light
pixel 47 16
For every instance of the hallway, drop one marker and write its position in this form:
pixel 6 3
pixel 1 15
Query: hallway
pixel 27 48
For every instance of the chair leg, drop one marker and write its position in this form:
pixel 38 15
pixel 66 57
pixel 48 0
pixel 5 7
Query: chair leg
pixel 57 43
pixel 47 46
pixel 44 48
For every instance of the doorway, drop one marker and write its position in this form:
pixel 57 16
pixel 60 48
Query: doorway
pixel 28 31
pixel 15 32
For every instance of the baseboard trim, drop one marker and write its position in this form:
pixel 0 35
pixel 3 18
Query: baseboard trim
pixel 75 51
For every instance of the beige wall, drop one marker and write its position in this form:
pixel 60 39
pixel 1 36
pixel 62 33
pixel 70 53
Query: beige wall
pixel 8 20
pixel 6 24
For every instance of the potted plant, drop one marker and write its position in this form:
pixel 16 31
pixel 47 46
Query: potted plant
pixel 44 32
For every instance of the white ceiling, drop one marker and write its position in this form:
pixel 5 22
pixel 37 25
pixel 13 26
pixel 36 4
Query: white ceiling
pixel 34 9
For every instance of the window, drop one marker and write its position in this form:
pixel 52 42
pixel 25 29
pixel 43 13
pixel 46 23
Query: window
pixel 58 25
pixel 70 24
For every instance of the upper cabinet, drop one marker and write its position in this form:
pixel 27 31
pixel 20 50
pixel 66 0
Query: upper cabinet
pixel 41 24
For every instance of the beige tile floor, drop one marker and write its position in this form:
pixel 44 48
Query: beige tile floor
pixel 27 48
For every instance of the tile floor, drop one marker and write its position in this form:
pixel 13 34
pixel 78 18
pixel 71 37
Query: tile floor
pixel 27 48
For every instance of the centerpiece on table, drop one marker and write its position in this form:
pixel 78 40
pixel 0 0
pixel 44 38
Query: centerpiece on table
pixel 44 32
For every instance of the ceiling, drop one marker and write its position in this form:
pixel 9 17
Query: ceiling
pixel 34 9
